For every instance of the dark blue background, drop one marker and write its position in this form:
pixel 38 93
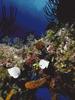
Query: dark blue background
pixel 30 16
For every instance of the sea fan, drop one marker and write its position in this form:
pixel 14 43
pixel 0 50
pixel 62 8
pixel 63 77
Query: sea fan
pixel 50 10
pixel 60 11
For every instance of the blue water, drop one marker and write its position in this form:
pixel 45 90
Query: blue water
pixel 30 16
pixel 43 94
pixel 62 97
